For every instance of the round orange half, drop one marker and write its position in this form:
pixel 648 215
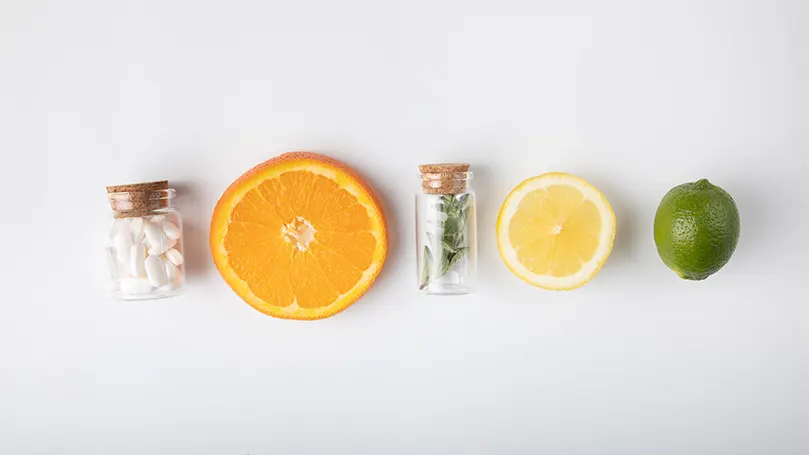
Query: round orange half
pixel 300 236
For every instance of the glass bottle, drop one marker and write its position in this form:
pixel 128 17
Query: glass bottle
pixel 446 229
pixel 145 255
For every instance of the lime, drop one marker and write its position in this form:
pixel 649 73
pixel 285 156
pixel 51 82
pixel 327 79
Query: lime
pixel 696 229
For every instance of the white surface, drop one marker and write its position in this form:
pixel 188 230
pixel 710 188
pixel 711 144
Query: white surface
pixel 634 96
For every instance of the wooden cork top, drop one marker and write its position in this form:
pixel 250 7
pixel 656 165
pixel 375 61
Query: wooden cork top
pixel 139 187
pixel 444 178
pixel 443 168
pixel 138 199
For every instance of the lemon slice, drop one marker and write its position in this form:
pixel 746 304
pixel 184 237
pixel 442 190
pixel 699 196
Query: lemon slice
pixel 555 231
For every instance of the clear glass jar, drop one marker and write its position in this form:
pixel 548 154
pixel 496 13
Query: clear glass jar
pixel 145 255
pixel 446 230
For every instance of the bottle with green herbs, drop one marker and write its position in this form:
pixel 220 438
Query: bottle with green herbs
pixel 446 231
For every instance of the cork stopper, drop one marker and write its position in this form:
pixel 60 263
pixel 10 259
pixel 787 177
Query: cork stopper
pixel 139 199
pixel 444 178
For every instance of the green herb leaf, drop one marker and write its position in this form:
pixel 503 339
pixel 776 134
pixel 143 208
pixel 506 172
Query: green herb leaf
pixel 453 260
pixel 428 267
pixel 445 253
pixel 452 225
pixel 430 238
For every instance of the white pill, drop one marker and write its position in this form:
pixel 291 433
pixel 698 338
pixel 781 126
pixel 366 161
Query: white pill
pixel 162 246
pixel 175 278
pixel 173 273
pixel 122 244
pixel 135 286
pixel 153 233
pixel 155 271
pixel 136 258
pixel 157 219
pixel 118 225
pixel 136 228
pixel 174 256
pixel 112 264
pixel 171 230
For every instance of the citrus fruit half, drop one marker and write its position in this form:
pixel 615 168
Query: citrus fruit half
pixel 555 231
pixel 300 236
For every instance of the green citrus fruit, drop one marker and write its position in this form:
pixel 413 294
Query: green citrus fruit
pixel 696 229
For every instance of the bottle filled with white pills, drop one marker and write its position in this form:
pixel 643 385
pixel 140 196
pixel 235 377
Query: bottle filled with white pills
pixel 145 245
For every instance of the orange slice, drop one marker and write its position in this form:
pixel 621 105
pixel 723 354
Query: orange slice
pixel 300 236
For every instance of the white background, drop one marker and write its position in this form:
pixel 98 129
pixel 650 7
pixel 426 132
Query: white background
pixel 634 96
